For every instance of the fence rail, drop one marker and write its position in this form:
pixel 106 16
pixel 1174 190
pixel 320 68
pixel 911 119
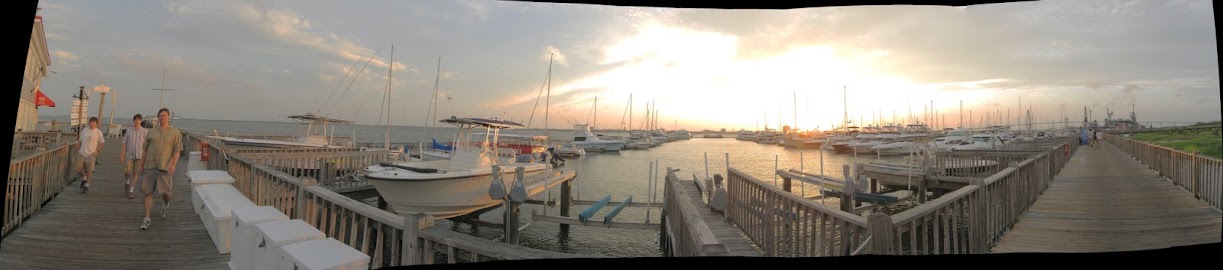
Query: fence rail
pixel 34 179
pixel 389 239
pixel 689 234
pixel 783 224
pixel 1200 175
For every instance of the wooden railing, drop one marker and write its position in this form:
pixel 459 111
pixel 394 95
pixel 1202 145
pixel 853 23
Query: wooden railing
pixel 969 220
pixel 783 224
pixel 688 234
pixel 25 143
pixel 1200 175
pixel 34 179
pixel 389 239
pixel 976 164
pixel 334 170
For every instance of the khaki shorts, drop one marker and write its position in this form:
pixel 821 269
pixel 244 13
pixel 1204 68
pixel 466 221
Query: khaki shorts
pixel 131 166
pixel 156 180
pixel 84 164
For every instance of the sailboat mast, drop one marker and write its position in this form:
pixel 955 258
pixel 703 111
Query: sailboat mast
pixel 630 111
pixel 389 73
pixel 845 105
pixel 548 98
pixel 436 81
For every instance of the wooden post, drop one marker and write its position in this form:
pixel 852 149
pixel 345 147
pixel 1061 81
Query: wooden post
pixel 413 251
pixel 874 185
pixel 299 209
pixel 565 200
pixel 847 190
pixel 977 227
pixel 785 183
pixel 881 228
pixel 921 189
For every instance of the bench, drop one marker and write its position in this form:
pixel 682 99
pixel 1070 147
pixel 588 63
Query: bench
pixel 245 237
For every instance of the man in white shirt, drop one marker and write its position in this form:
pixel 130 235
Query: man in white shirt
pixel 87 152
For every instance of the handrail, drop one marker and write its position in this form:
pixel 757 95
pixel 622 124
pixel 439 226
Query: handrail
pixel 1200 175
pixel 34 179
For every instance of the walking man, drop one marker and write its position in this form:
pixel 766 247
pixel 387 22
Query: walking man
pixel 133 154
pixel 162 147
pixel 91 143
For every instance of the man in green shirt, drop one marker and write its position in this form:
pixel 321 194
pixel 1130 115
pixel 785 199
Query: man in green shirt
pixel 162 146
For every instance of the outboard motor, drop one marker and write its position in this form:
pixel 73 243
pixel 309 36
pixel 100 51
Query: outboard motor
pixel 525 158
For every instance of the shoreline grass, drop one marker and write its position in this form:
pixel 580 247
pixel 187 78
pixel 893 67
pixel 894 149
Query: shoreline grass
pixel 1208 142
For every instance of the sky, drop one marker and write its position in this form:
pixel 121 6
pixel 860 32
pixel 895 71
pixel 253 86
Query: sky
pixel 699 68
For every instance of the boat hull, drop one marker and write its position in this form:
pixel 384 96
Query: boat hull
pixel 446 198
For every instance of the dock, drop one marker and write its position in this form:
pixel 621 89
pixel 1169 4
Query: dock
pixel 727 234
pixel 1103 201
pixel 101 229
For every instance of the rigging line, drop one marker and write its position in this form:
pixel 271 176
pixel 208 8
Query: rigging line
pixel 537 96
pixel 345 78
pixel 354 79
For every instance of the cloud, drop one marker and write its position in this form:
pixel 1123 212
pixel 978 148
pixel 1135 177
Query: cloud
pixel 176 8
pixel 554 54
pixel 178 70
pixel 64 55
pixel 477 8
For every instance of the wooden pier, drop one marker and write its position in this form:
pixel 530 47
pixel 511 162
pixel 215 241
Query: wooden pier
pixel 1105 200
pixel 101 229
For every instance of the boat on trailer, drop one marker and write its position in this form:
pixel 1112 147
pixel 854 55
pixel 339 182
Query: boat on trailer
pixel 458 185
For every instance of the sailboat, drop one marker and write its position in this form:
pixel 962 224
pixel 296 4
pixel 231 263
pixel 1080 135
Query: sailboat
pixel 456 186
pixel 440 151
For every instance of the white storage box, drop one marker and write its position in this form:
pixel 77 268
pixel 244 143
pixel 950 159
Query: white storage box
pixel 194 161
pixel 217 215
pixel 205 177
pixel 329 254
pixel 199 178
pixel 245 238
pixel 276 234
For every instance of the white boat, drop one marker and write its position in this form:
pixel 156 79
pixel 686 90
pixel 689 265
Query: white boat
pixel 456 186
pixel 679 135
pixel 954 137
pixel 913 139
pixel 570 150
pixel 984 141
pixel 582 137
pixel 314 134
pixel 746 136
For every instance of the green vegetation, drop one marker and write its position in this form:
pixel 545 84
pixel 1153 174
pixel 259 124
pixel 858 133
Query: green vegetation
pixel 1208 141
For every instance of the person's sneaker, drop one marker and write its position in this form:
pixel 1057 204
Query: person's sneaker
pixel 165 209
pixel 144 225
pixel 86 189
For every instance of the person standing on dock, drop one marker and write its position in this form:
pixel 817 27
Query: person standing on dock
pixel 91 143
pixel 162 147
pixel 133 154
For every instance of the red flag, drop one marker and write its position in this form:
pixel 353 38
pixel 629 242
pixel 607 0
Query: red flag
pixel 42 100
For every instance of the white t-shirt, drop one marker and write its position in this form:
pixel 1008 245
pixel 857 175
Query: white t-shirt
pixel 89 140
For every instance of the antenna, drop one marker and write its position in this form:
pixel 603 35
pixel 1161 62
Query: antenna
pixel 161 104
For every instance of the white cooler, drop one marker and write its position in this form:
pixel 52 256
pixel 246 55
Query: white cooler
pixel 203 177
pixel 194 161
pixel 219 203
pixel 276 234
pixel 245 237
pixel 329 254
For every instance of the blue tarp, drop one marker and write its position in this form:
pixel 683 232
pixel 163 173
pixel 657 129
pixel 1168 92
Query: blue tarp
pixel 439 146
